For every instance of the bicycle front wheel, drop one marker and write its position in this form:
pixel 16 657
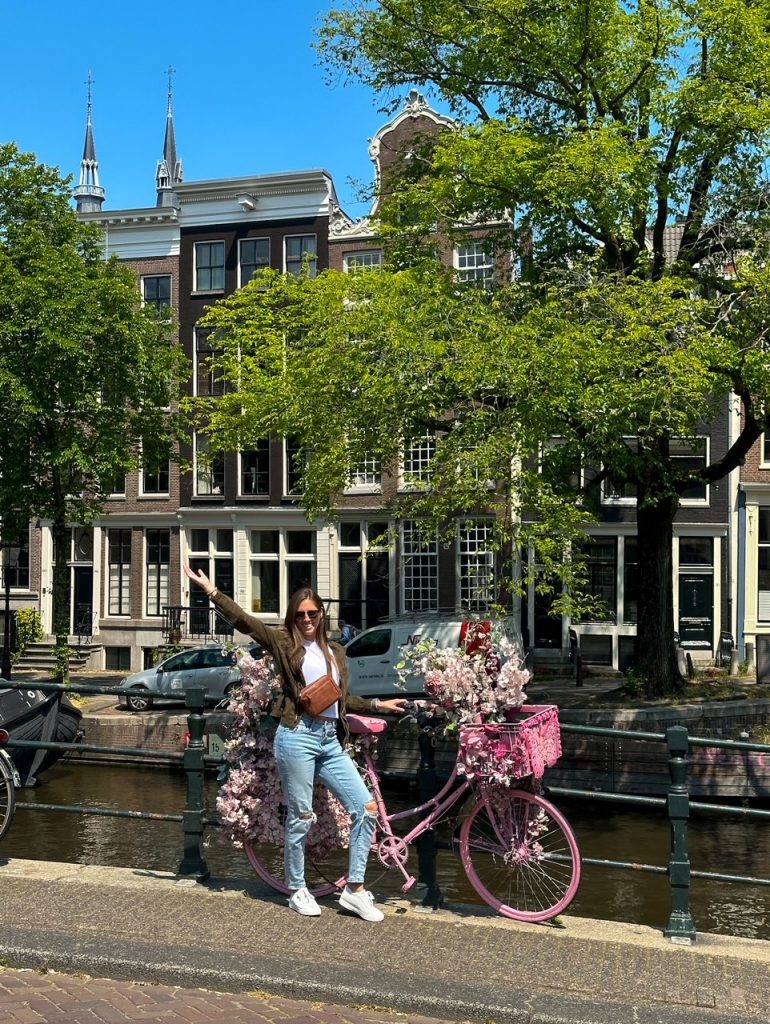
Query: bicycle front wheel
pixel 7 797
pixel 520 855
pixel 267 861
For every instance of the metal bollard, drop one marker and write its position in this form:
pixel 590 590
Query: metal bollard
pixel 680 927
pixel 193 863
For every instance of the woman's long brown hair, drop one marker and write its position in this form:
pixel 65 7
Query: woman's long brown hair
pixel 290 623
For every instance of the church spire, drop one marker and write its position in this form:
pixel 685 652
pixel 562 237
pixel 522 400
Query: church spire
pixel 169 173
pixel 89 194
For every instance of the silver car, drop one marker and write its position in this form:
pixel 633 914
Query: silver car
pixel 210 667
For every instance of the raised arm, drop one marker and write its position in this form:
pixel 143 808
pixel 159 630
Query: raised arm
pixel 233 612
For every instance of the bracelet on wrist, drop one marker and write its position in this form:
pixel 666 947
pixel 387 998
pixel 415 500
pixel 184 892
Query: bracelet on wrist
pixel 212 593
pixel 375 703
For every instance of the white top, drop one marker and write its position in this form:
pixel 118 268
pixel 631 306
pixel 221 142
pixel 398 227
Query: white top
pixel 314 666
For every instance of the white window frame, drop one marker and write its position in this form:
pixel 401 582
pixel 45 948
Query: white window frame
pixel 287 493
pixel 622 500
pixel 365 477
pixel 125 591
pixel 313 262
pixel 212 241
pixel 146 572
pixel 144 493
pixel 241 243
pixel 283 558
pixel 253 494
pixel 472 558
pixel 418 569
pixel 200 473
pixel 704 501
pixel 419 455
pixel 362 261
pixel 475 263
pixel 213 392
pixel 764 461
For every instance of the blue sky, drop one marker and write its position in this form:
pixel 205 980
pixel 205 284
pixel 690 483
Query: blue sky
pixel 249 94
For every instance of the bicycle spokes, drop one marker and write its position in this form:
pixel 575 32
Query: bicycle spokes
pixel 520 855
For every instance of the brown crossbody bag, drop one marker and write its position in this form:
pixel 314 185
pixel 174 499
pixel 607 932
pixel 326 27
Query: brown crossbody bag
pixel 320 694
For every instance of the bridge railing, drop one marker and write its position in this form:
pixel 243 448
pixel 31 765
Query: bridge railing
pixel 677 802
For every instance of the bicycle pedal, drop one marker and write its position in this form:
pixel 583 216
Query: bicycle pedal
pixel 408 883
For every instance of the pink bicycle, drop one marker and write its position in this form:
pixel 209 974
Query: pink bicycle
pixel 518 851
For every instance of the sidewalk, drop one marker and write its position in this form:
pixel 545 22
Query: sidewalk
pixel 456 964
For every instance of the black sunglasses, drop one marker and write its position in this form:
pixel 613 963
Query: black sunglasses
pixel 310 615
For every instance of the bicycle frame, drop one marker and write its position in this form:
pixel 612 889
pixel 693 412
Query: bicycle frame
pixel 447 796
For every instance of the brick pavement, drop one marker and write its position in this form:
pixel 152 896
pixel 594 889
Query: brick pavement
pixel 47 997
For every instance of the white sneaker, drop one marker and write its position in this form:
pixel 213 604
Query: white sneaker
pixel 361 903
pixel 304 903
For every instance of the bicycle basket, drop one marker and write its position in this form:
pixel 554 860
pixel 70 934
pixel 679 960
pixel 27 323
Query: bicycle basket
pixel 500 752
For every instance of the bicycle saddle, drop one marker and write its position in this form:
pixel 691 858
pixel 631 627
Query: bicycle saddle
pixel 364 725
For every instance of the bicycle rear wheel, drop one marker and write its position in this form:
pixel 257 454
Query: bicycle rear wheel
pixel 520 855
pixel 321 877
pixel 7 797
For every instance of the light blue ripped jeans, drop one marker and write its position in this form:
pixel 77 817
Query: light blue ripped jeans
pixel 308 752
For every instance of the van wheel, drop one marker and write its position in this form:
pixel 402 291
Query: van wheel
pixel 139 700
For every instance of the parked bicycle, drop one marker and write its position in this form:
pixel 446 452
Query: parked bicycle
pixel 9 782
pixel 518 851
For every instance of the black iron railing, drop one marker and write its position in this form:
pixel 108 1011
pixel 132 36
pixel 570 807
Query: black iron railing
pixel 194 761
pixel 193 622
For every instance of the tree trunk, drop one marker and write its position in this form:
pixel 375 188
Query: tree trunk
pixel 61 594
pixel 656 653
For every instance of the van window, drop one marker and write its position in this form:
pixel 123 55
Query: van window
pixel 376 641
pixel 183 661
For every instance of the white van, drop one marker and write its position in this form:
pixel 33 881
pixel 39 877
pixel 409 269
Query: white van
pixel 373 654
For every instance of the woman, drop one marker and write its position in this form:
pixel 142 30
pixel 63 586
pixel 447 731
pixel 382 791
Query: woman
pixel 307 747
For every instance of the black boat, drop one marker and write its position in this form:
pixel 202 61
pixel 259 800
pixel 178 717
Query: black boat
pixel 31 714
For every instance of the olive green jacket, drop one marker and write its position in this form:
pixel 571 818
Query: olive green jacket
pixel 280 645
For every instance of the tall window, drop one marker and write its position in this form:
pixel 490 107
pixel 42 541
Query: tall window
pixel 416 463
pixel 209 470
pixel 119 557
pixel 630 580
pixel 158 559
pixel 358 262
pixel 298 249
pixel 209 380
pixel 765 457
pixel 295 465
pixel 281 560
pixel 255 469
pixel 209 266
pixel 477 566
pixel 156 480
pixel 419 568
pixel 616 491
pixel 474 264
pixel 763 602
pixel 690 455
pixel 15 559
pixel 253 255
pixel 601 554
pixel 156 292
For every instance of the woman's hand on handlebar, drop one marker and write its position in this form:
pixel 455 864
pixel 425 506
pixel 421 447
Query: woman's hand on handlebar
pixel 395 706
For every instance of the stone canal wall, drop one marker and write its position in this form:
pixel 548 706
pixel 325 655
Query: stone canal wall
pixel 609 764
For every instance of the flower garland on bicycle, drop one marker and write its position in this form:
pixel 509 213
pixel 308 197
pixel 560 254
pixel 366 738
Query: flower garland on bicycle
pixel 307 746
pixel 478 686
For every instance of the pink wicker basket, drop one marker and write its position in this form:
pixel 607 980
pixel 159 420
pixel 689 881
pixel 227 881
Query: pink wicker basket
pixel 512 750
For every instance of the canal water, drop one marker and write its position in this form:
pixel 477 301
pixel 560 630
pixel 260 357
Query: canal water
pixel 732 846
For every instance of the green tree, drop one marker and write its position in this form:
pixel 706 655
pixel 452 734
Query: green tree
pixel 626 141
pixel 87 375
pixel 618 149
